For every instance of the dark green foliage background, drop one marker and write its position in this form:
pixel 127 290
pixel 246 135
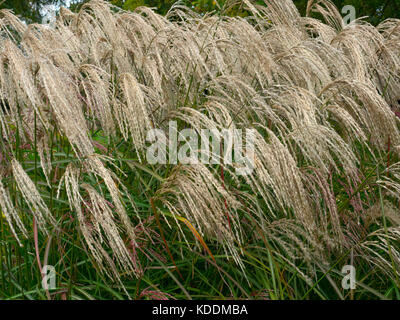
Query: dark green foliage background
pixel 376 10
pixel 28 9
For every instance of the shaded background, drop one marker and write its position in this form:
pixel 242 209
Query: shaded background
pixel 32 10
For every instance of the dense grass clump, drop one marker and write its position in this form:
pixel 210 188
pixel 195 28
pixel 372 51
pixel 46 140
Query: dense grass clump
pixel 78 193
